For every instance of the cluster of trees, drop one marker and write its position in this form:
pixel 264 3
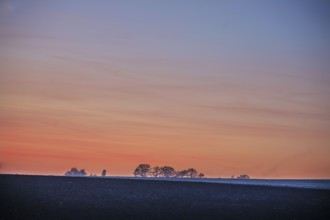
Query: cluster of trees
pixel 75 172
pixel 145 170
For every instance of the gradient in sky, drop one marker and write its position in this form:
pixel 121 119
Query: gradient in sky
pixel 226 87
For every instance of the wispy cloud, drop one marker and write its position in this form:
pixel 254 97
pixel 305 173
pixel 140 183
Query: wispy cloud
pixel 271 112
pixel 275 168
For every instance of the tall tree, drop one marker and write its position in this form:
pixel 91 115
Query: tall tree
pixel 142 170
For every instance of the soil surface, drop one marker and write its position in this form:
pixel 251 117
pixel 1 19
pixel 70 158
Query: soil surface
pixel 51 197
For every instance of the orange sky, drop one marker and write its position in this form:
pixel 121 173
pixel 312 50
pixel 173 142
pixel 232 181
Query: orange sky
pixel 94 101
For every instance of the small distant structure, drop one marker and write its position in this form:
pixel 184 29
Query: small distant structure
pixel 104 173
pixel 243 176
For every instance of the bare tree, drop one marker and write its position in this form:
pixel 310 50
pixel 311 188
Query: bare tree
pixel 142 170
pixel 189 173
pixel 192 173
pixel 155 171
pixel 181 174
pixel 167 171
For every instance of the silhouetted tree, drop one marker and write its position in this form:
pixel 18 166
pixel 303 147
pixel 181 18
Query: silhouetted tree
pixel 192 173
pixel 182 174
pixel 155 171
pixel 104 172
pixel 167 171
pixel 75 172
pixel 201 175
pixel 82 172
pixel 189 173
pixel 142 170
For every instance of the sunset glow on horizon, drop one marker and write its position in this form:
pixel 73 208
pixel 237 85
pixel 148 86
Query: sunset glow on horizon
pixel 225 87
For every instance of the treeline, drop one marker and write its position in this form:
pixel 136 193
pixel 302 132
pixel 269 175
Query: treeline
pixel 145 170
pixel 75 172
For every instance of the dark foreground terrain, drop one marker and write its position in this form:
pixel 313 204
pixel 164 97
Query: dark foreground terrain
pixel 46 197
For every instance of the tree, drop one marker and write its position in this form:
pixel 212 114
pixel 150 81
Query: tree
pixel 104 172
pixel 201 175
pixel 82 172
pixel 182 174
pixel 155 171
pixel 167 171
pixel 192 173
pixel 142 170
pixel 75 172
pixel 72 172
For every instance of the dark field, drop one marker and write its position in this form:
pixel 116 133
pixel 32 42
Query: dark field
pixel 45 197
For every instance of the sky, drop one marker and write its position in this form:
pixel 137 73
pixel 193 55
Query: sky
pixel 226 87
